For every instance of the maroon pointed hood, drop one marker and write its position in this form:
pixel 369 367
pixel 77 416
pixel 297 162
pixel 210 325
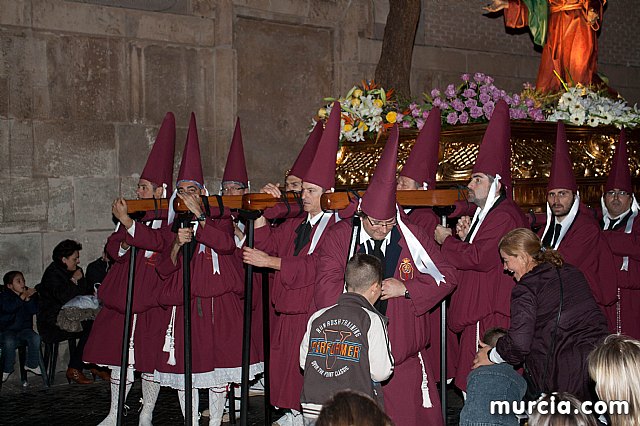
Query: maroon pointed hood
pixel 159 167
pixel 236 167
pixel 620 175
pixel 379 201
pixel 191 166
pixel 422 164
pixel 308 151
pixel 322 170
pixel 494 155
pixel 561 175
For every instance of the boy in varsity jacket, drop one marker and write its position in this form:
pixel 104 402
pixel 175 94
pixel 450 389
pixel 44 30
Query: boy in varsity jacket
pixel 346 345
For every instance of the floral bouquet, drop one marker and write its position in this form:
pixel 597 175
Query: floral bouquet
pixel 581 105
pixel 367 111
pixel 472 101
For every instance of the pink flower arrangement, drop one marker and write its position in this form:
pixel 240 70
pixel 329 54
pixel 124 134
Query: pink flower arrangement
pixel 472 101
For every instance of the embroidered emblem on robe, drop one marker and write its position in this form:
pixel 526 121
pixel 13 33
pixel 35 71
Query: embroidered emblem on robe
pixel 406 269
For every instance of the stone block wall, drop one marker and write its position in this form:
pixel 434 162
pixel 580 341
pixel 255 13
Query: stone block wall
pixel 84 85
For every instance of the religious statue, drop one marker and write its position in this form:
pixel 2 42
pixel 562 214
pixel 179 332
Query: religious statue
pixel 566 30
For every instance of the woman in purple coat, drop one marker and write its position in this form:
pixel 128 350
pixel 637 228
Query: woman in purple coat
pixel 555 321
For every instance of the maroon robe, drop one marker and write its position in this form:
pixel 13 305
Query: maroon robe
pixel 291 294
pixel 216 305
pixel 408 318
pixel 534 312
pixel 104 346
pixel 585 247
pixel 484 290
pixel 427 219
pixel 623 244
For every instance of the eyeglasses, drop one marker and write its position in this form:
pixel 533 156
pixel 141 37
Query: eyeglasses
pixel 619 194
pixel 382 223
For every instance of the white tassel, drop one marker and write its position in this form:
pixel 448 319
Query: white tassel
pixel 426 399
pixel 169 339
pixel 172 354
pixel 169 332
pixel 132 356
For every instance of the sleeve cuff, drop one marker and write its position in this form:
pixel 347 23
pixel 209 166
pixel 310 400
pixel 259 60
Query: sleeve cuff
pixel 122 252
pixel 132 231
pixel 495 357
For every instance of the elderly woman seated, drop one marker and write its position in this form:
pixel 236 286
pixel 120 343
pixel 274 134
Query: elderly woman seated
pixel 62 281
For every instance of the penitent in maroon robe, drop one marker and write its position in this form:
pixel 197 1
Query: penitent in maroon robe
pixel 584 247
pixel 623 244
pixel 408 318
pixel 104 346
pixel 483 296
pixel 291 293
pixel 216 310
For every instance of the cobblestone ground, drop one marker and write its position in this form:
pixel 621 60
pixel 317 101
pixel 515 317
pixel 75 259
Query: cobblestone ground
pixel 72 404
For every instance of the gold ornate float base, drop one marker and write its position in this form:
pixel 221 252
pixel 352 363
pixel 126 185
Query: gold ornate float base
pixel 532 146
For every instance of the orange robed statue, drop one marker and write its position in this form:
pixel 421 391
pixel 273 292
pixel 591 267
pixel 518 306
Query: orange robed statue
pixel 566 30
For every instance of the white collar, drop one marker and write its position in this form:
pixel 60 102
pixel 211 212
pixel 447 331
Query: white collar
pixel 315 219
pixel 566 223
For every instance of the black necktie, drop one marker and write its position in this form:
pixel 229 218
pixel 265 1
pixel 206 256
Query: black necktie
pixel 556 234
pixel 377 251
pixel 303 236
pixel 471 229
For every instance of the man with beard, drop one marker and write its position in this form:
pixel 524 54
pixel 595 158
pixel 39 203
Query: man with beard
pixel 483 297
pixel 573 230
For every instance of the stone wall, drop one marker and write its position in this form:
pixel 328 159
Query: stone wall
pixel 84 85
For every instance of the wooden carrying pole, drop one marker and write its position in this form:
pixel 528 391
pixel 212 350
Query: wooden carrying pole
pixel 417 198
pixel 134 206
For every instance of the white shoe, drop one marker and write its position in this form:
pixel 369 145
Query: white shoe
pixel 286 420
pixel 5 376
pixel 35 370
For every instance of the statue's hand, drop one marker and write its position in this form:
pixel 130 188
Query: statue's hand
pixel 496 6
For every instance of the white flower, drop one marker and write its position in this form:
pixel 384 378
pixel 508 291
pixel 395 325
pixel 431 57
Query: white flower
pixel 577 118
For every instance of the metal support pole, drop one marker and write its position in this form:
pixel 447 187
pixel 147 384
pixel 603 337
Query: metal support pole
pixel 126 334
pixel 186 281
pixel 443 350
pixel 246 337
pixel 266 346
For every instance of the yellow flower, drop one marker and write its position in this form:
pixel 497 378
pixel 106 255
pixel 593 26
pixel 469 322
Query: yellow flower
pixel 357 93
pixel 392 116
pixel 363 126
pixel 347 127
pixel 322 112
pixel 355 102
pixel 378 103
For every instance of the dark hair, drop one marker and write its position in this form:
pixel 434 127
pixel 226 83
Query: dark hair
pixel 492 335
pixel 9 276
pixel 349 407
pixel 362 271
pixel 523 240
pixel 65 249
